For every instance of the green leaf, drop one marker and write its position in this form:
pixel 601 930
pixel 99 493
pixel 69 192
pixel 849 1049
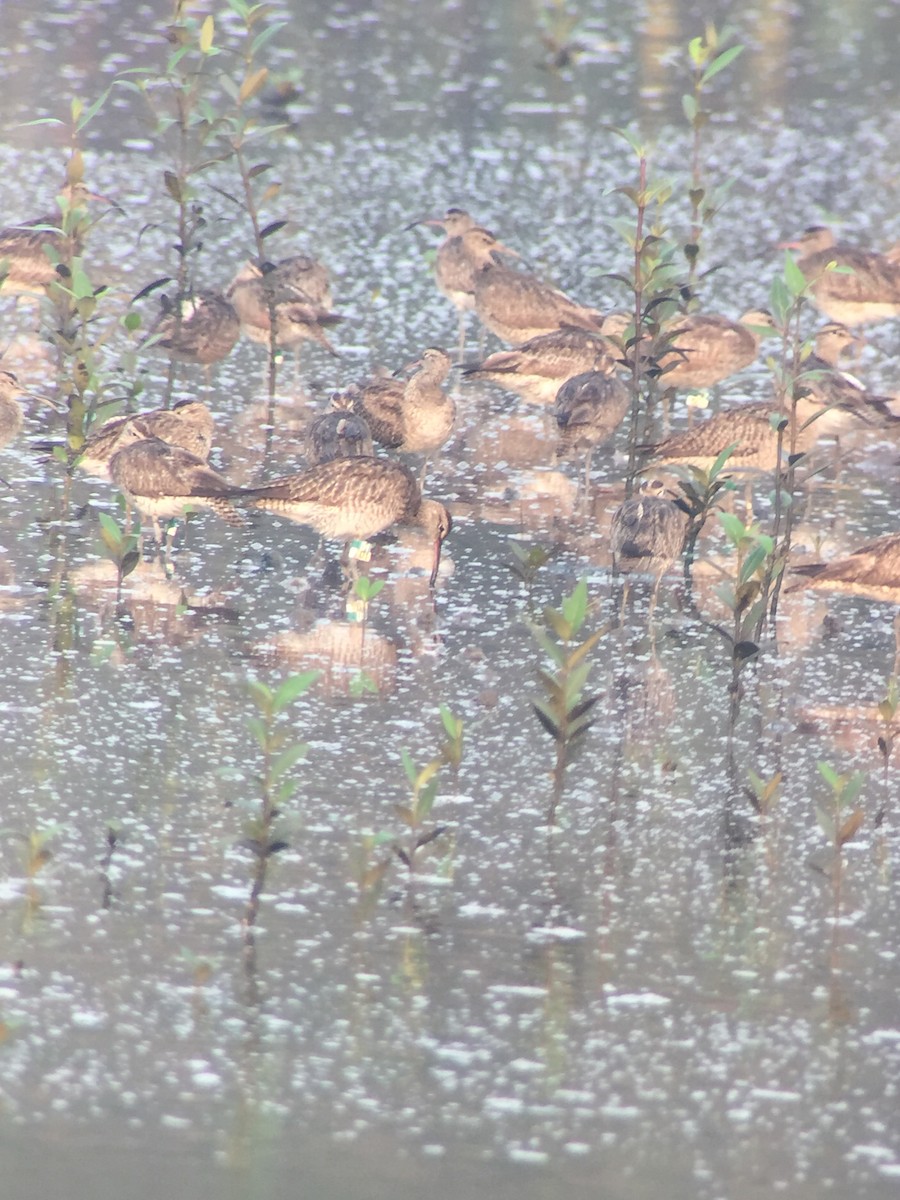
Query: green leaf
pixel 265 37
pixel 719 64
pixel 453 725
pixel 550 648
pixel 287 759
pixel 426 799
pixel 409 767
pixel 574 606
pixel 826 824
pixel 780 301
pixel 830 776
pixel 722 460
pixel 629 137
pixel 92 111
pixel 292 688
pixel 285 790
pixel 853 787
pixel 794 279
pixel 753 562
pixel 689 104
pixel 261 694
pixel 734 527
pixel 110 531
pixel 259 729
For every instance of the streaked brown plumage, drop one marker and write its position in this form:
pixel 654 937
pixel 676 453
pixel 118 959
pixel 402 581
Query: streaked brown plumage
pixel 873 570
pixel 11 415
pixel 454 267
pixel 589 409
pixel 202 328
pixel 821 376
pixel 168 481
pixel 339 433
pixel 413 415
pixel 189 424
pixel 517 306
pixel 706 347
pixel 24 263
pixel 869 291
pixel 299 277
pixel 749 429
pixel 299 316
pixel 647 534
pixel 353 498
pixel 539 367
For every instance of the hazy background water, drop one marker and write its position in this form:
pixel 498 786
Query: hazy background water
pixel 651 997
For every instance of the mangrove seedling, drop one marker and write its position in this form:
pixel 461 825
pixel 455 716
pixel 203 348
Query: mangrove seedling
pixel 122 549
pixel 708 58
pixel 887 711
pixel 278 756
pixel 452 749
pixel 840 817
pixel 564 711
pixel 415 815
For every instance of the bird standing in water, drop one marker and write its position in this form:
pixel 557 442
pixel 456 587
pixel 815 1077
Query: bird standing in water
pixel 352 498
pixel 866 288
pixel 538 368
pixel 338 433
pixel 202 328
pixel 261 291
pixel 454 266
pixel 414 416
pixel 516 305
pixel 30 252
pixel 188 424
pixel 162 480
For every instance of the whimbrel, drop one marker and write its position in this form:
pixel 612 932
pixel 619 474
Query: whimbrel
pixel 168 481
pixel 415 415
pixel 11 415
pixel 647 533
pixel 873 570
pixel 338 433
pixel 299 317
pixel 823 377
pixel 298 277
pixel 756 444
pixel 539 367
pixel 454 267
pixel 202 328
pixel 188 424
pixel 25 265
pixel 869 290
pixel 353 498
pixel 705 347
pixel 589 409
pixel 515 305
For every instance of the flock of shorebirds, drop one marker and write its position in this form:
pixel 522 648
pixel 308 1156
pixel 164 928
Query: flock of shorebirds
pixel 562 353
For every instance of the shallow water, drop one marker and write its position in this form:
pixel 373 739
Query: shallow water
pixel 654 995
